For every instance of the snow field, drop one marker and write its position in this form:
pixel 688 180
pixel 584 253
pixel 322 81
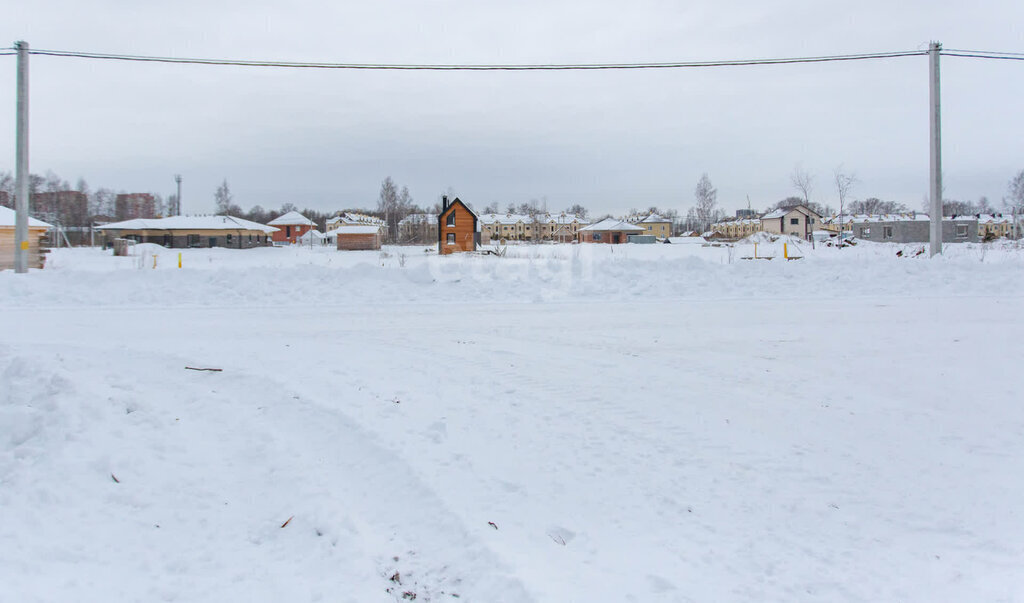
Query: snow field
pixel 653 424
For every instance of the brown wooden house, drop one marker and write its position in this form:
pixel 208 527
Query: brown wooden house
pixel 457 227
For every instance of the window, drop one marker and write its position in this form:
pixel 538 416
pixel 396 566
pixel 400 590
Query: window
pixel 887 232
pixel 451 238
pixel 597 236
pixel 794 220
pixel 450 220
pixel 961 230
pixel 229 237
pixel 193 240
pixel 288 231
pixel 865 232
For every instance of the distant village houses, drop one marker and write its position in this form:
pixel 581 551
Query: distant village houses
pixel 561 227
pixel 654 224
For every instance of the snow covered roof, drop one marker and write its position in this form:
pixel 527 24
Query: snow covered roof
pixel 418 219
pixel 8 216
pixel 613 224
pixel 355 229
pixel 508 218
pixel 292 218
pixel 782 211
pixel 655 218
pixel 740 221
pixel 188 223
pixel 994 219
pixel 350 217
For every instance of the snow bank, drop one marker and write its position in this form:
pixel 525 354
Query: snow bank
pixel 301 276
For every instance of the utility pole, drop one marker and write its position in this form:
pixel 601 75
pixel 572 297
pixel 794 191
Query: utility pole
pixel 935 126
pixel 177 199
pixel 21 206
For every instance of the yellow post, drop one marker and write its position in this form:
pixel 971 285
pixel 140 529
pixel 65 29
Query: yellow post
pixel 785 251
pixel 179 259
pixel 154 261
pixel 755 251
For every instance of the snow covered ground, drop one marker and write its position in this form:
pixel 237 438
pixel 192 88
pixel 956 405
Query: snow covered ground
pixel 566 423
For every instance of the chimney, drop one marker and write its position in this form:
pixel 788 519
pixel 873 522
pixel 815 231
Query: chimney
pixel 444 202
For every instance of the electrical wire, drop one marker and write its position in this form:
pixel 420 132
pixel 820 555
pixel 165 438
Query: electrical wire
pixel 1000 56
pixel 986 52
pixel 478 67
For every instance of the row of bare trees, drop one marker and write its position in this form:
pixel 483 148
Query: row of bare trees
pixel 100 202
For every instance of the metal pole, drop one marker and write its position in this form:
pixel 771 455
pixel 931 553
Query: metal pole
pixel 21 243
pixel 935 124
pixel 177 200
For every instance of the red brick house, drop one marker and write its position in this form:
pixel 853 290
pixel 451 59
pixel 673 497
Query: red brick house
pixel 290 227
pixel 458 228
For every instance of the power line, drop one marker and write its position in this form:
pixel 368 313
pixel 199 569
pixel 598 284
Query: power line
pixel 986 52
pixel 478 67
pixel 980 54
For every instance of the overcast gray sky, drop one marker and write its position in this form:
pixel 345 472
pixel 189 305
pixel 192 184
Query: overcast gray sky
pixel 610 140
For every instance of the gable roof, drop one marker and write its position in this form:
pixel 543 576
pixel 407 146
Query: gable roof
pixel 782 211
pixel 613 224
pixel 292 218
pixel 8 216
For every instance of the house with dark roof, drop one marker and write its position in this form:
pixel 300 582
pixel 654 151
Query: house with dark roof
pixel 458 227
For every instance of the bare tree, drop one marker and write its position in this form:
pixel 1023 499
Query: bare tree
pixel 6 189
pixel 706 197
pixel 577 210
pixel 844 183
pixel 387 204
pixel 1016 200
pixel 874 205
pixel 802 181
pixel 223 198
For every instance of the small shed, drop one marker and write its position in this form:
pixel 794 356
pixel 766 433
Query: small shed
pixel 36 231
pixel 352 237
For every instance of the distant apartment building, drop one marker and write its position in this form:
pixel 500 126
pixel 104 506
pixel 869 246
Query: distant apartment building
pixel 746 213
pixel 129 206
pixel 60 208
